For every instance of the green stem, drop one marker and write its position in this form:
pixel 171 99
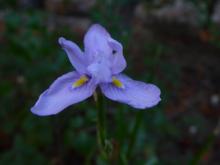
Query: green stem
pixel 134 133
pixel 101 134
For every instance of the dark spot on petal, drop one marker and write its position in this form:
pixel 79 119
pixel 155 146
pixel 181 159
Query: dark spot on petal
pixel 114 52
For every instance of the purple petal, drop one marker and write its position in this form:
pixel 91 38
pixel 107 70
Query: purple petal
pixel 75 55
pixel 134 93
pixel 100 71
pixel 96 40
pixel 118 61
pixel 61 95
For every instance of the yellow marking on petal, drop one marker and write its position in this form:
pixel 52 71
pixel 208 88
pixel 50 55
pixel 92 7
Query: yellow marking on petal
pixel 81 81
pixel 117 82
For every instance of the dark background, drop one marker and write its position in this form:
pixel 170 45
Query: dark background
pixel 174 44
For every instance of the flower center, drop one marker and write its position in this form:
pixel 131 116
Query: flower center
pixel 100 69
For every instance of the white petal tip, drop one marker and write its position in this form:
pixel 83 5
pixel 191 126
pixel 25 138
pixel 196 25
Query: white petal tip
pixel 96 25
pixel 36 112
pixel 40 113
pixel 61 40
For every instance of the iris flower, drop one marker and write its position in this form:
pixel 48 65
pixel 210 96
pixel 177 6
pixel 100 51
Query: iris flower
pixel 100 65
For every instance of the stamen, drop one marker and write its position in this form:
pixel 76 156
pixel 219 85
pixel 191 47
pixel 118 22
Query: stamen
pixel 117 82
pixel 81 81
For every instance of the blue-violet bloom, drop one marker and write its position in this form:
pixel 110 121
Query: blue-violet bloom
pixel 101 65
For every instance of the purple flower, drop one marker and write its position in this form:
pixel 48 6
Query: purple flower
pixel 101 65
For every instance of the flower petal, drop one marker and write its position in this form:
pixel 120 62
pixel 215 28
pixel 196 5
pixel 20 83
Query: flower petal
pixel 75 55
pixel 61 94
pixel 118 61
pixel 134 93
pixel 100 69
pixel 96 40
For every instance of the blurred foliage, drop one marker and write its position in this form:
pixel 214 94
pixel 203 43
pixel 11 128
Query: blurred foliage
pixel 31 59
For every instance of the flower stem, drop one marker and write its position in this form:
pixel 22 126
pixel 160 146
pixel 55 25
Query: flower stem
pixel 101 133
pixel 134 133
